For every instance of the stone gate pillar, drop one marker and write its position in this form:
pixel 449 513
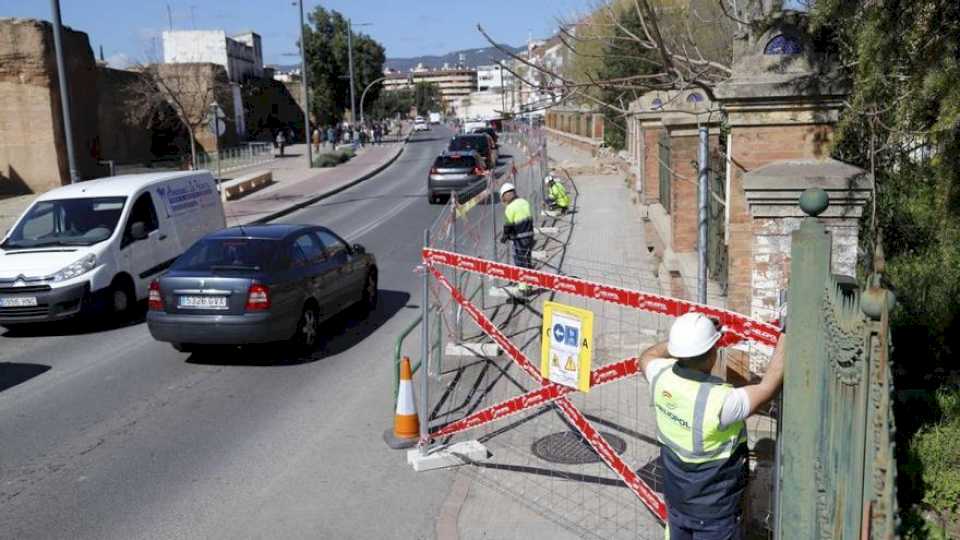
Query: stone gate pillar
pixel 782 103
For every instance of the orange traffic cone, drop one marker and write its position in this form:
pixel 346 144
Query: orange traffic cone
pixel 406 424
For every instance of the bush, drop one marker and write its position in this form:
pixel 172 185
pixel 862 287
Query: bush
pixel 933 466
pixel 333 159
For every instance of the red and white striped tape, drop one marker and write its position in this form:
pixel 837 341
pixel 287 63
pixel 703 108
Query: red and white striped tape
pixel 600 445
pixel 737 327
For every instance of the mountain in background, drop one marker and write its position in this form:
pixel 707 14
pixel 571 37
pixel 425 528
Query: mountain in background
pixel 472 58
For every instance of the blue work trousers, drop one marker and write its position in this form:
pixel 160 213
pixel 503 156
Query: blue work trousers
pixel 684 527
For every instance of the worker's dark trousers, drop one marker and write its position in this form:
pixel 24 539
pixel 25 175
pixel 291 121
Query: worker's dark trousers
pixel 684 527
pixel 522 252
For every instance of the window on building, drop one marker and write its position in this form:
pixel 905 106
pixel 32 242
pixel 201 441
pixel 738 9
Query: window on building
pixel 783 45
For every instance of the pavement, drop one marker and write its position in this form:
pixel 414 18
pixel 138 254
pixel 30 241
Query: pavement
pixel 295 185
pixel 517 494
pixel 111 435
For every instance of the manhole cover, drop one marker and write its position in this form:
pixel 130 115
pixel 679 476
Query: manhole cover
pixel 569 448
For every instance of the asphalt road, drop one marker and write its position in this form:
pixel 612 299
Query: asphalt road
pixel 105 433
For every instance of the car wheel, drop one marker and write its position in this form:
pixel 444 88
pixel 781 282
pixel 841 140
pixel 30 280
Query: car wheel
pixel 308 331
pixel 371 293
pixel 121 299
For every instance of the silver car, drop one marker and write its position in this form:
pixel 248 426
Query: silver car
pixel 455 172
pixel 260 284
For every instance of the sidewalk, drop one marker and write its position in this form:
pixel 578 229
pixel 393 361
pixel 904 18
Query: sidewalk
pixel 517 494
pixel 294 187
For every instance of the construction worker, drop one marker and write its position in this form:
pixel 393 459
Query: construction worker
pixel 558 202
pixel 518 227
pixel 701 428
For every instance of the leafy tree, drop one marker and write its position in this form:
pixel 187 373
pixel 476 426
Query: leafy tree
pixel 391 103
pixel 328 66
pixel 903 122
pixel 427 97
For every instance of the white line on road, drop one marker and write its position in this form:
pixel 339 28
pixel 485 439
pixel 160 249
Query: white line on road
pixel 376 223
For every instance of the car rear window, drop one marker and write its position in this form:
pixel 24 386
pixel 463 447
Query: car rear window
pixel 228 254
pixel 455 162
pixel 478 143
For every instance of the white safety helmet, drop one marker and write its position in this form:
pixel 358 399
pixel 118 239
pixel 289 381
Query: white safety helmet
pixel 507 186
pixel 692 334
pixel 547 179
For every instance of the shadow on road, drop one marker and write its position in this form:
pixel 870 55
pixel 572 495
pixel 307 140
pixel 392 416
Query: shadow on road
pixel 78 326
pixel 339 334
pixel 426 139
pixel 12 374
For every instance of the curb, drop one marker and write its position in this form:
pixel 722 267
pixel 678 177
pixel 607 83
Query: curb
pixel 303 204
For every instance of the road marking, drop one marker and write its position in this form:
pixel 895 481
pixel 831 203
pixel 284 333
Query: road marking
pixel 386 217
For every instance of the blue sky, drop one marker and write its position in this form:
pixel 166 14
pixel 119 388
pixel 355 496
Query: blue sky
pixel 125 28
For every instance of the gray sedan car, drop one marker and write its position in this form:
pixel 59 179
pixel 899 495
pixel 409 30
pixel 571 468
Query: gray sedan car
pixel 455 172
pixel 260 284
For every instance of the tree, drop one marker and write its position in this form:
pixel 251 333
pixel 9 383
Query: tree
pixel 902 123
pixel 427 97
pixel 328 64
pixel 190 90
pixel 394 102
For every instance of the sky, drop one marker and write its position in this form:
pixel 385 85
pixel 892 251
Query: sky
pixel 127 28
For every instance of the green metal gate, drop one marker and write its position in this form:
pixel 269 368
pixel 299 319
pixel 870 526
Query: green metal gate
pixel 837 475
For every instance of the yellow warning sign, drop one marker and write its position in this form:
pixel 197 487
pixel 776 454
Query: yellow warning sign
pixel 567 335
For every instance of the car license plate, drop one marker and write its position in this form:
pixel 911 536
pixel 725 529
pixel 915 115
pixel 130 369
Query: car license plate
pixel 18 301
pixel 203 302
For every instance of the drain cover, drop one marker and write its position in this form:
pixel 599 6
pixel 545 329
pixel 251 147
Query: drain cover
pixel 569 448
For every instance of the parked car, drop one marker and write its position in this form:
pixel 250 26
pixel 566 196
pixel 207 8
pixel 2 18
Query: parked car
pixel 460 172
pixel 478 142
pixel 489 131
pixel 419 124
pixel 98 244
pixel 260 284
pixel 435 118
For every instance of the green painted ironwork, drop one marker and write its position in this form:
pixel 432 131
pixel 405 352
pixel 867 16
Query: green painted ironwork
pixel 663 154
pixel 837 477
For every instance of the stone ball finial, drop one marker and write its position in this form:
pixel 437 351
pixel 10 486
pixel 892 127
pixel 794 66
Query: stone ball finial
pixel 814 201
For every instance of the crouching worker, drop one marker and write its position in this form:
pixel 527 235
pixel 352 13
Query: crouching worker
pixel 558 202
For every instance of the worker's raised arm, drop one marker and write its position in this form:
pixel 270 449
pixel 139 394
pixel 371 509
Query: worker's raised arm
pixel 652 353
pixel 769 385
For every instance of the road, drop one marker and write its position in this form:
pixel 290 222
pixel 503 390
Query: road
pixel 108 434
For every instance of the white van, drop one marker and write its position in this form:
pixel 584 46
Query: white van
pixel 100 243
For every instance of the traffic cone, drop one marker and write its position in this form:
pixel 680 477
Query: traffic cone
pixel 406 424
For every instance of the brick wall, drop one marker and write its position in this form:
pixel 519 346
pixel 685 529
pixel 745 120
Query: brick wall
pixel 683 196
pixel 651 165
pixel 753 147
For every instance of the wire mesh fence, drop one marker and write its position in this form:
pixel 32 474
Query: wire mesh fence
pixel 538 455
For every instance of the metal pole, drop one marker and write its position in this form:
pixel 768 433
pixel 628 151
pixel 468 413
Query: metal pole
pixel 216 125
pixel 364 95
pixel 425 351
pixel 306 95
pixel 704 183
pixel 454 198
pixel 353 101
pixel 64 92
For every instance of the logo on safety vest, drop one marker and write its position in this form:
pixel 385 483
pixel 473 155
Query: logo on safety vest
pixel 670 404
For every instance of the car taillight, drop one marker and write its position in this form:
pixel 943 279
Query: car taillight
pixel 434 170
pixel 154 300
pixel 258 298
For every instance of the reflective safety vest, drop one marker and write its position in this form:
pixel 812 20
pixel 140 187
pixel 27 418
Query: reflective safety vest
pixel 558 195
pixel 705 466
pixel 518 224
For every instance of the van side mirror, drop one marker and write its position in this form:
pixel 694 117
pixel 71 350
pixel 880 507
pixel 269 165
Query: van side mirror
pixel 138 231
pixel 358 249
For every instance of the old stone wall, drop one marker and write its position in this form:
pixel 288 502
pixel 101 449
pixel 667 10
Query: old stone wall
pixel 269 106
pixel 753 147
pixel 122 138
pixel 651 164
pixel 197 86
pixel 33 155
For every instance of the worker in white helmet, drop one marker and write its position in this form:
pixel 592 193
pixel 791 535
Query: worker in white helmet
pixel 517 227
pixel 701 428
pixel 555 195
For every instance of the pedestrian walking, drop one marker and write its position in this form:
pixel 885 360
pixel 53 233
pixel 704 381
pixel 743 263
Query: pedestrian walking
pixel 558 202
pixel 701 428
pixel 281 141
pixel 378 134
pixel 518 228
pixel 316 140
pixel 332 137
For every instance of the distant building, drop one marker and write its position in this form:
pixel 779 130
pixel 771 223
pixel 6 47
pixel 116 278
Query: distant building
pixel 241 55
pixel 453 83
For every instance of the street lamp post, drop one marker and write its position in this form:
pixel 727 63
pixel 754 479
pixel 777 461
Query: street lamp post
pixel 353 109
pixel 364 94
pixel 306 95
pixel 64 92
